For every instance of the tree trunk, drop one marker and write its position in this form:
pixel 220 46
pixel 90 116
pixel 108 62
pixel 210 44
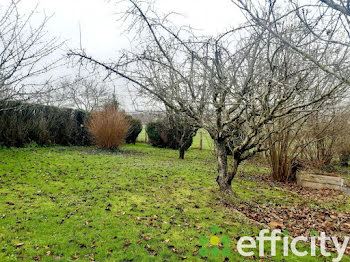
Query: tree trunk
pixel 221 154
pixel 234 168
pixel 182 153
pixel 225 177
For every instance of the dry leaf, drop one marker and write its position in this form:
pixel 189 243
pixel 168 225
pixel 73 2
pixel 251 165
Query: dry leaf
pixel 18 244
pixel 276 225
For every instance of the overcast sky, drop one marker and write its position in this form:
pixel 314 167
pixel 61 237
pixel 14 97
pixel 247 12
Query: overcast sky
pixel 102 34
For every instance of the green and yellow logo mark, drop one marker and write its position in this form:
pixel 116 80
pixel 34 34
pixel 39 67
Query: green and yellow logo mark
pixel 210 247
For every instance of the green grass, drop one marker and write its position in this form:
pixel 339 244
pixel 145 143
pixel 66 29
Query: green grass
pixel 142 136
pixel 142 204
pixel 207 141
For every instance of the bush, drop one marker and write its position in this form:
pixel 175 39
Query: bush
pixel 173 132
pixel 135 128
pixel 326 136
pixel 108 127
pixel 344 159
pixel 22 123
pixel 179 133
pixel 282 158
pixel 156 134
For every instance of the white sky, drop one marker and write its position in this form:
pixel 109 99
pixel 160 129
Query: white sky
pixel 102 34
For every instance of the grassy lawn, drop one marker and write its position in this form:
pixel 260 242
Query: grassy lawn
pixel 142 136
pixel 141 204
pixel 207 141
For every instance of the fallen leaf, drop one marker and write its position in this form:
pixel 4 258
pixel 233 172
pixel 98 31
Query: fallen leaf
pixel 18 244
pixel 276 225
pixel 153 252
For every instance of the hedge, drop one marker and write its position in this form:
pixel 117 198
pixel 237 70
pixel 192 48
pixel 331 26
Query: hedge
pixel 22 123
pixel 170 133
pixel 156 134
pixel 135 128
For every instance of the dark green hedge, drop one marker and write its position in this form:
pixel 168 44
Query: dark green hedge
pixel 135 129
pixel 154 131
pixel 170 133
pixel 22 123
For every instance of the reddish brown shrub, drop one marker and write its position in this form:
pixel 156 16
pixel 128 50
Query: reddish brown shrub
pixel 108 127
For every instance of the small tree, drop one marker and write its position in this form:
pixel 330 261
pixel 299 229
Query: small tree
pixel 180 132
pixel 24 53
pixel 172 132
pixel 108 127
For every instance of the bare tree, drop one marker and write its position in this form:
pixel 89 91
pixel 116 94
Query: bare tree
pixel 84 93
pixel 234 84
pixel 87 94
pixel 326 24
pixel 24 50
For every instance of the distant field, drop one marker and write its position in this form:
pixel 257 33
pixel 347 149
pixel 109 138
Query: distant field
pixel 207 141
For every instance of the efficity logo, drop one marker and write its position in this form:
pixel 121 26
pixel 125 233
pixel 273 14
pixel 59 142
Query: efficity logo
pixel 215 245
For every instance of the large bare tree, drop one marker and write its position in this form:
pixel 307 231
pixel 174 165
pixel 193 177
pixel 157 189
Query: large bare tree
pixel 24 52
pixel 234 85
pixel 326 24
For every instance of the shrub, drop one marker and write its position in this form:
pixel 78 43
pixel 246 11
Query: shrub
pixel 344 158
pixel 173 132
pixel 108 127
pixel 135 128
pixel 284 150
pixel 22 123
pixel 180 133
pixel 281 158
pixel 342 147
pixel 309 143
pixel 155 131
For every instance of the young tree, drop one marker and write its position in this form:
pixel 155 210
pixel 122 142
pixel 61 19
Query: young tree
pixel 24 50
pixel 181 129
pixel 234 85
